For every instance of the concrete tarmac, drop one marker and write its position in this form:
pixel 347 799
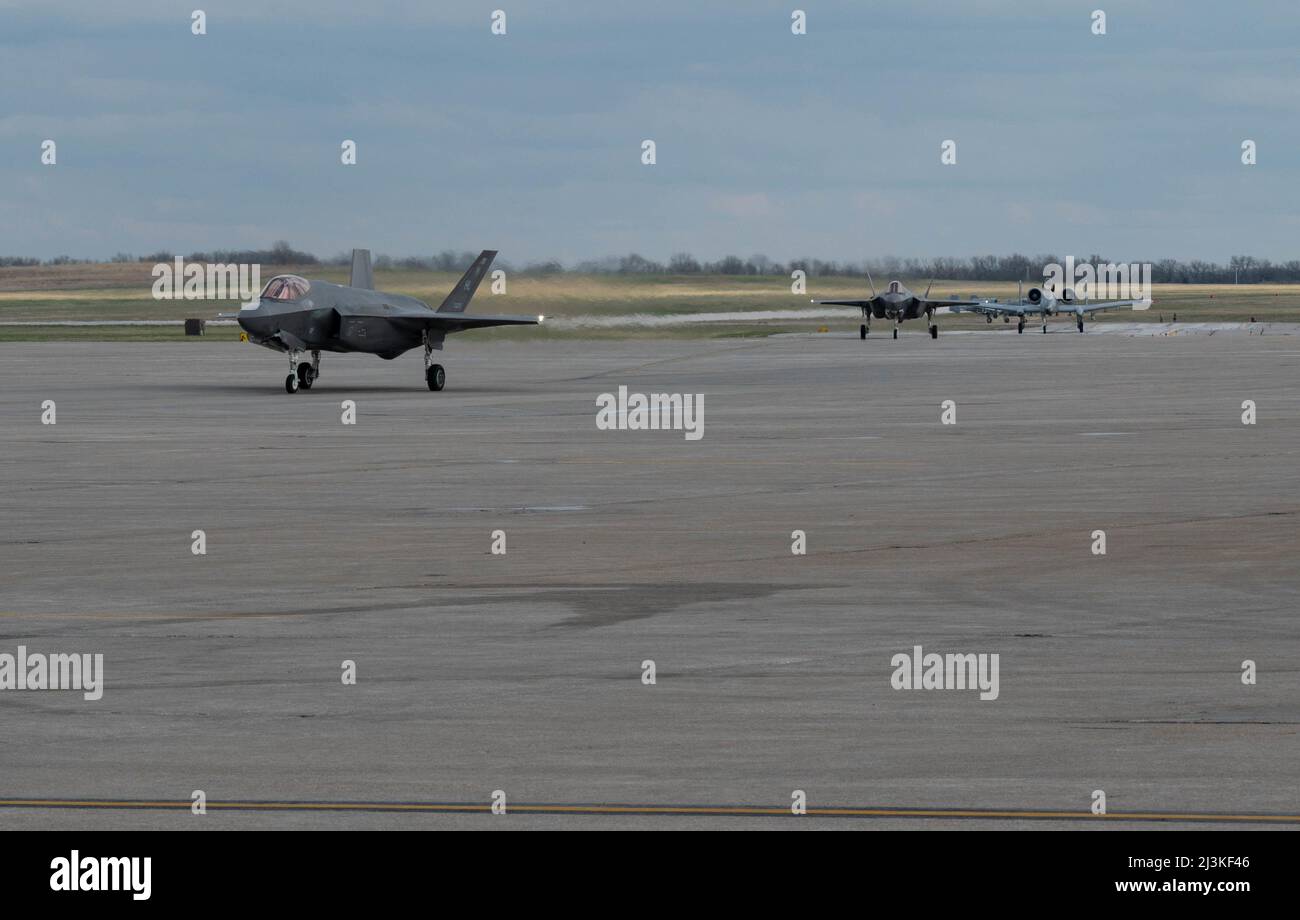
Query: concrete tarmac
pixel 522 672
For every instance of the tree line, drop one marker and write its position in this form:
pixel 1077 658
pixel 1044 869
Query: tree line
pixel 1015 267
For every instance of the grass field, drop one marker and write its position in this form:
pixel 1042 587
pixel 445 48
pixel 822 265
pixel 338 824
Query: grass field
pixel 122 291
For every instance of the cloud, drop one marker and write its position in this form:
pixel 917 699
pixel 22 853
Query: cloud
pixel 819 145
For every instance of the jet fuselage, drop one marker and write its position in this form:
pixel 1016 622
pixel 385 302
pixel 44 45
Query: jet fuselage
pixel 337 318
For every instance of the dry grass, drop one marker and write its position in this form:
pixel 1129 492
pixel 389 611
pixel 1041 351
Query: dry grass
pixel 123 291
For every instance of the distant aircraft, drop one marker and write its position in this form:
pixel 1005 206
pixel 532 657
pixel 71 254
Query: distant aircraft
pixel 898 304
pixel 1043 302
pixel 294 316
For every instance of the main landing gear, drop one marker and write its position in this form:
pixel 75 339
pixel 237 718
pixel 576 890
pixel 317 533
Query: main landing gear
pixel 1020 326
pixel 302 376
pixel 863 330
pixel 934 326
pixel 1080 323
pixel 434 375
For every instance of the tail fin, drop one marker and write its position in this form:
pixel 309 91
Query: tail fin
pixel 362 276
pixel 460 295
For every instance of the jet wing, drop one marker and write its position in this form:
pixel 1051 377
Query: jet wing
pixel 455 322
pixel 995 309
pixel 1109 305
pixel 844 303
pixel 1024 308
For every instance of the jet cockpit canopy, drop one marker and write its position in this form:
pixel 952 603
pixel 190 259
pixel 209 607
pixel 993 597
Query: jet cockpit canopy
pixel 286 287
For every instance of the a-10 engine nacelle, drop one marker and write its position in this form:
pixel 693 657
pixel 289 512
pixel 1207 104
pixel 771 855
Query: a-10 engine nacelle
pixel 1047 300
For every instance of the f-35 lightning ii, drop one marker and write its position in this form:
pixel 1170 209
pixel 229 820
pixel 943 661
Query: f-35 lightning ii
pixel 898 304
pixel 297 316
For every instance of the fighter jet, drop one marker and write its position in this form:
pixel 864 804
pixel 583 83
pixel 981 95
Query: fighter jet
pixel 1044 302
pixel 297 316
pixel 898 304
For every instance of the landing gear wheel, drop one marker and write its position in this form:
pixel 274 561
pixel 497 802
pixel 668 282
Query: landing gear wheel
pixel 895 332
pixel 1081 325
pixel 435 377
pixel 1020 327
pixel 306 376
pixel 988 318
pixel 291 383
pixel 934 332
pixel 862 331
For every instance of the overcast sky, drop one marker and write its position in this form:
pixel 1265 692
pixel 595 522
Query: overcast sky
pixel 824 145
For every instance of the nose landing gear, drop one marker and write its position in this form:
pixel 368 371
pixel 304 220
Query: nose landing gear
pixel 301 375
pixel 294 380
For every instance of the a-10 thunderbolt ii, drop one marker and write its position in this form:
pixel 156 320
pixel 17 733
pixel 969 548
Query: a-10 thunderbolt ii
pixel 897 303
pixel 298 317
pixel 1044 302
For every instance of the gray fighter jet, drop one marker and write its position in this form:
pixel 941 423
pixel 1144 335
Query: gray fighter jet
pixel 898 304
pixel 297 316
pixel 1045 302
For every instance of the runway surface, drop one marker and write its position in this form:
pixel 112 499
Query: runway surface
pixel 522 672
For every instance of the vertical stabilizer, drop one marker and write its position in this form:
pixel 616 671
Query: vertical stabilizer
pixel 460 295
pixel 362 276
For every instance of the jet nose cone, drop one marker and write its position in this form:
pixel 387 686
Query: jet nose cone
pixel 250 316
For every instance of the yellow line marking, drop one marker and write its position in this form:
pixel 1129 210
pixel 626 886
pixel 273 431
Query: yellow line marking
pixel 710 810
